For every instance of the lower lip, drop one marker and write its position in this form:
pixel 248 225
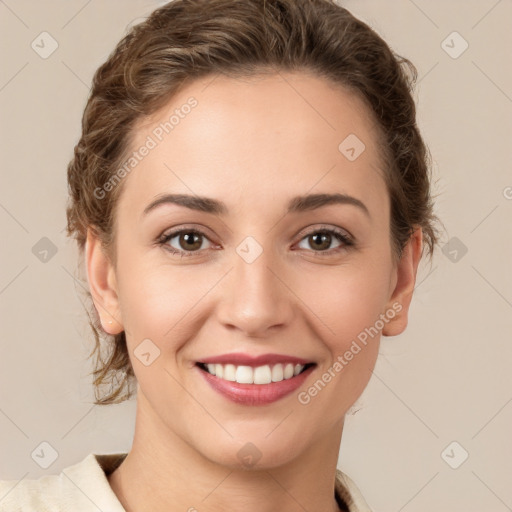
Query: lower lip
pixel 255 394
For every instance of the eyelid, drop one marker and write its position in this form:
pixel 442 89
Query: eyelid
pixel 314 228
pixel 185 227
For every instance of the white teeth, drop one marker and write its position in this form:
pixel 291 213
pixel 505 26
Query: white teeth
pixel 244 375
pixel 262 375
pixel 277 373
pixel 230 372
pixel 259 375
pixel 288 371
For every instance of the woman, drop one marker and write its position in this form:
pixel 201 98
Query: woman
pixel 251 196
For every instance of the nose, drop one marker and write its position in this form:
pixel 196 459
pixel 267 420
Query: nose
pixel 255 298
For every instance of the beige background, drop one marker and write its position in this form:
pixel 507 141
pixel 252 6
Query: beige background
pixel 447 378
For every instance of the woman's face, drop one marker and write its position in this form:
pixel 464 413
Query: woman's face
pixel 255 276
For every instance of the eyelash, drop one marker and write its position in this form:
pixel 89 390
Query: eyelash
pixel 338 235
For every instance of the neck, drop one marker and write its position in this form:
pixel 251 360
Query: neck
pixel 163 472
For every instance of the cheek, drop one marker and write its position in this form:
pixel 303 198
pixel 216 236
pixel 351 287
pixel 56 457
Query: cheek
pixel 347 300
pixel 156 306
pixel 347 306
pixel 158 301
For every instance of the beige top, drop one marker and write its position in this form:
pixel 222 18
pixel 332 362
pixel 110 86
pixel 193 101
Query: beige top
pixel 84 487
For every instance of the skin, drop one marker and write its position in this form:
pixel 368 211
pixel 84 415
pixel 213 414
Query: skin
pixel 252 143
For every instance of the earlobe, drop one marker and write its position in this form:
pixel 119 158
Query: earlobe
pixel 102 284
pixel 401 297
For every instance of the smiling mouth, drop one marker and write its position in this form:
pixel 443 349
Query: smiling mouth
pixel 259 375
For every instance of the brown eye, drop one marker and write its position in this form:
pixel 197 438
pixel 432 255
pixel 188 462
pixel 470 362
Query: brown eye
pixel 184 242
pixel 190 241
pixel 321 240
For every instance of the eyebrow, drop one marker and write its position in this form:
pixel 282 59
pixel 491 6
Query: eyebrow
pixel 295 205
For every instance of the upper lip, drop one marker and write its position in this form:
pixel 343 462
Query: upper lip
pixel 240 359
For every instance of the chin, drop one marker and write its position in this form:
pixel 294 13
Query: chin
pixel 253 453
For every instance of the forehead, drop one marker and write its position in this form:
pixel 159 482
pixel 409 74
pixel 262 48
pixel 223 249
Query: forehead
pixel 257 140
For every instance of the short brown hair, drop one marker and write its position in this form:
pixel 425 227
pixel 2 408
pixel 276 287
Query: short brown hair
pixel 188 39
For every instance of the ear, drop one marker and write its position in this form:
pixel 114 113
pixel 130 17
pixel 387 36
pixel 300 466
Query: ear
pixel 102 284
pixel 404 281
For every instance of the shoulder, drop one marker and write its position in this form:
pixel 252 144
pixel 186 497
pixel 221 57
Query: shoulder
pixel 350 493
pixel 82 487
